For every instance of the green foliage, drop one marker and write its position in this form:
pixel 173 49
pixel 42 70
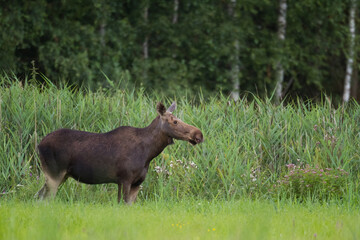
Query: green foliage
pixel 315 46
pixel 304 182
pixel 77 41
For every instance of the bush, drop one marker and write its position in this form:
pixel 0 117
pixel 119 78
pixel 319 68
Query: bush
pixel 306 181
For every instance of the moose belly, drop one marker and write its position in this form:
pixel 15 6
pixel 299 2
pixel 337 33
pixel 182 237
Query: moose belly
pixel 90 174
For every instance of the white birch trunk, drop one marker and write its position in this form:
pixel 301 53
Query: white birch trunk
pixel 281 36
pixel 146 48
pixel 175 20
pixel 350 59
pixel 146 40
pixel 176 9
pixel 145 44
pixel 102 33
pixel 235 62
pixel 235 71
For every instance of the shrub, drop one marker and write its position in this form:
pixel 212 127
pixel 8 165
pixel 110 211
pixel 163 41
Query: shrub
pixel 306 181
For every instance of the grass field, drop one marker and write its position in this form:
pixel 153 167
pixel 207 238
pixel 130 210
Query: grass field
pixel 187 219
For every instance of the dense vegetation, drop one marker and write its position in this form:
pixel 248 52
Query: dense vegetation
pixel 155 45
pixel 254 149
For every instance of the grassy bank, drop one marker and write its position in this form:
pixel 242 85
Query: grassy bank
pixel 247 150
pixel 189 219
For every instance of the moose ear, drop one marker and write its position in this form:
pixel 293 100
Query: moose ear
pixel 172 107
pixel 160 108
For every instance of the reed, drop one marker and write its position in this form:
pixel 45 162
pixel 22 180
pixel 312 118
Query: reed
pixel 247 144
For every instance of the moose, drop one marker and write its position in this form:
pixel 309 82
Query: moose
pixel 121 156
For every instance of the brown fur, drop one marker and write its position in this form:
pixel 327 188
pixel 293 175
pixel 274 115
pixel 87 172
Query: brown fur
pixel 121 156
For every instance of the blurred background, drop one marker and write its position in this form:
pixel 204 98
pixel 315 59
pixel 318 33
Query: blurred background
pixel 174 47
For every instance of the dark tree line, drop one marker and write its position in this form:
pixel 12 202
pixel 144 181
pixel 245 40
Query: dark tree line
pixel 181 45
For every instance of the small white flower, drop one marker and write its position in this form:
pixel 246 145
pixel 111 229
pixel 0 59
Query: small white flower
pixel 193 165
pixel 158 169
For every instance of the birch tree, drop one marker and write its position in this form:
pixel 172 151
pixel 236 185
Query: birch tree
pixel 235 62
pixel 175 19
pixel 146 42
pixel 176 9
pixel 102 33
pixel 279 75
pixel 350 59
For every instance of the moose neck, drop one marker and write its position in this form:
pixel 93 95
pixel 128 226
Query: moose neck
pixel 155 139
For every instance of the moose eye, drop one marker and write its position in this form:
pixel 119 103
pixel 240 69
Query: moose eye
pixel 175 122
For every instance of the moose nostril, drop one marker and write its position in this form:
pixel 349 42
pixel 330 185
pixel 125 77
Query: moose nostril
pixel 199 138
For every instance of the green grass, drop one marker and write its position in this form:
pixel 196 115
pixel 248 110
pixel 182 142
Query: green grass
pixel 187 219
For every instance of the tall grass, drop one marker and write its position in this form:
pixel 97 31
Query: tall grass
pixel 246 149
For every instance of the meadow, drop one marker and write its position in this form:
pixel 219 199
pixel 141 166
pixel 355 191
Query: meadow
pixel 189 219
pixel 268 171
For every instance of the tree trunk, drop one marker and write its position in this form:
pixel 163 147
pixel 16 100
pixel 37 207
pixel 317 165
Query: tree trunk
pixel 176 8
pixel 145 44
pixel 235 71
pixel 350 59
pixel 102 33
pixel 355 83
pixel 281 37
pixel 235 62
pixel 174 21
pixel 146 40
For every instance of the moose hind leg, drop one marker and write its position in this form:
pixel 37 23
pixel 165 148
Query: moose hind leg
pixel 51 186
pixel 41 193
pixel 134 192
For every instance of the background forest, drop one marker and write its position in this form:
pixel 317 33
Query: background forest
pixel 181 46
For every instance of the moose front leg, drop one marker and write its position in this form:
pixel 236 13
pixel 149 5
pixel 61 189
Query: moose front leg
pixel 124 192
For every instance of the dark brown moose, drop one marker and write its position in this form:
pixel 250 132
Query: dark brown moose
pixel 121 156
